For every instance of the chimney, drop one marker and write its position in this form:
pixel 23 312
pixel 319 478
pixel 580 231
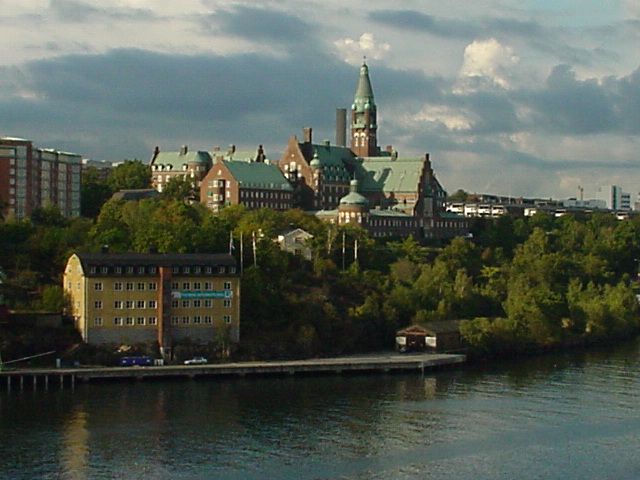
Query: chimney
pixel 341 127
pixel 231 150
pixel 183 150
pixel 306 134
pixel 389 148
pixel 156 152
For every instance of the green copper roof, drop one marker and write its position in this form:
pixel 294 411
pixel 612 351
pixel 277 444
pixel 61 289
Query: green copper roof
pixel 363 98
pixel 353 197
pixel 258 175
pixel 177 159
pixel 382 174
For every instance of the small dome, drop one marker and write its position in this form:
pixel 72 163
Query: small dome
pixel 353 197
pixel 316 161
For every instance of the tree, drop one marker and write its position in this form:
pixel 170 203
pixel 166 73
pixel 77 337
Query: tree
pixel 132 174
pixel 94 192
pixel 182 189
pixel 459 196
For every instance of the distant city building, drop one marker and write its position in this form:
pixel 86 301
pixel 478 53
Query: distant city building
pixel 133 298
pixel 294 240
pixel 102 166
pixel 614 197
pixel 31 177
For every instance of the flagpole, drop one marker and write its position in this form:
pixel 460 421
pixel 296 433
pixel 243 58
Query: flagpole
pixel 344 249
pixel 241 253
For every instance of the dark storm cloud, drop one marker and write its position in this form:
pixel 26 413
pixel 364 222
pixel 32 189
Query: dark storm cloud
pixel 571 106
pixel 254 99
pixel 261 25
pixel 77 11
pixel 418 21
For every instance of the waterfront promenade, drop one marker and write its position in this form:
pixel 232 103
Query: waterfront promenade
pixel 383 362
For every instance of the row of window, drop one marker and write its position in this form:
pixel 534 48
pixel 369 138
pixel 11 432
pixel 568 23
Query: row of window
pixel 153 286
pixel 153 304
pixel 151 269
pixel 175 320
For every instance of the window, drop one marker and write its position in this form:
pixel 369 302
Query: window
pixel 227 285
pixel 140 304
pixel 185 303
pixel 227 319
pixel 208 285
pixel 232 269
pixel 221 270
pixel 153 286
pixel 175 320
pixel 105 269
pixel 196 269
pixel 141 286
pixel 197 286
pixel 97 304
pixel 129 286
pixel 186 286
pixel 117 304
pixel 175 269
pixel 128 304
pixel 129 320
pixel 97 322
pixel 186 269
pixel 207 319
pixel 227 303
pixel 117 286
pixel 93 270
pixel 152 304
pixel 129 269
pixel 141 270
pixel 174 303
pixel 196 320
pixel 207 303
pixel 140 321
pixel 152 269
pixel 117 321
pixel 185 320
pixel 153 320
pixel 97 286
pixel 118 269
pixel 209 269
pixel 196 303
pixel 175 286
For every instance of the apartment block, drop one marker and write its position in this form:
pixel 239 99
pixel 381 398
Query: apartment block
pixel 31 177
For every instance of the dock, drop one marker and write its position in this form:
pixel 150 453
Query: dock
pixel 386 362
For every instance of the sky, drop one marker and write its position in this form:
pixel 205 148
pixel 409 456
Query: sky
pixel 532 98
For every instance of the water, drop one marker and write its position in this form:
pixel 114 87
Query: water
pixel 572 416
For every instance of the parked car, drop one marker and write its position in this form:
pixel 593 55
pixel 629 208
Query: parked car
pixel 196 361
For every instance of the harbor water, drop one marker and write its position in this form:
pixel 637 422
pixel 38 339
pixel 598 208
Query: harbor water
pixel 569 416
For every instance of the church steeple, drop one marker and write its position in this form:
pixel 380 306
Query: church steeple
pixel 364 141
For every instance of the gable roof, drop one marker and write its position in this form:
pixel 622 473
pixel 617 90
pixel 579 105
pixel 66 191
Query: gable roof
pixel 383 174
pixel 258 175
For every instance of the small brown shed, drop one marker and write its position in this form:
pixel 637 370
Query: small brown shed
pixel 432 336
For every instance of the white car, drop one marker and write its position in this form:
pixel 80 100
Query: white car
pixel 196 361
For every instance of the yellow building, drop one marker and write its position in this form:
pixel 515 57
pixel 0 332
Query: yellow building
pixel 129 298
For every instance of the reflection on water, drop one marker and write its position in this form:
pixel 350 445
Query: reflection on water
pixel 570 416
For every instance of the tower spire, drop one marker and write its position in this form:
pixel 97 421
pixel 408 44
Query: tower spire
pixel 364 126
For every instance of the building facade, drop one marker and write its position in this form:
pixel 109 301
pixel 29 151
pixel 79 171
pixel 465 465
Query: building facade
pixel 249 180
pixel 165 298
pixel 32 177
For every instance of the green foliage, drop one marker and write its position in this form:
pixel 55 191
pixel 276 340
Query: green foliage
pixel 181 189
pixel 94 192
pixel 129 175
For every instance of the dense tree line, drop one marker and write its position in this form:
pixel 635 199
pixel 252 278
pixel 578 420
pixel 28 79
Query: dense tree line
pixel 520 282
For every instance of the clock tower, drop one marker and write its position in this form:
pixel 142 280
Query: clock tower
pixel 364 127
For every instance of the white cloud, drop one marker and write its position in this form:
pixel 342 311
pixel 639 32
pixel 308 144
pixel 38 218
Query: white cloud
pixel 487 63
pixel 453 119
pixel 353 50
